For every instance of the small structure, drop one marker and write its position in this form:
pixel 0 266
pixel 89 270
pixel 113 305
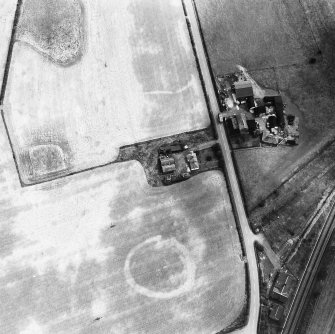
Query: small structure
pixel 282 287
pixel 290 119
pixel 257 111
pixel 172 148
pixel 242 123
pixel 270 138
pixel 276 312
pixel 167 164
pixel 252 126
pixel 272 122
pixel 235 123
pixel 229 124
pixel 243 89
pixel 193 161
pixel 277 102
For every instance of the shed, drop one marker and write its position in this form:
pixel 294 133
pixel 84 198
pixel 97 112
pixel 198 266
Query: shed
pixel 252 126
pixel 258 110
pixel 242 122
pixel 276 312
pixel 243 89
pixel 167 164
pixel 168 168
pixel 229 124
pixel 193 161
pixel 279 110
pixel 272 121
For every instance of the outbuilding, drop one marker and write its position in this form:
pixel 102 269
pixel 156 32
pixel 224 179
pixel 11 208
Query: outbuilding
pixel 193 161
pixel 276 312
pixel 243 89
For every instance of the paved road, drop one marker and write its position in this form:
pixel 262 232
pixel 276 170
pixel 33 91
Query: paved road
pixel 247 234
pixel 307 278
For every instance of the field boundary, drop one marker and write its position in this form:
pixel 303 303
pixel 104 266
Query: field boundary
pixel 5 80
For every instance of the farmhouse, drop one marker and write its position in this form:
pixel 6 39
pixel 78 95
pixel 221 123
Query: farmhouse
pixel 282 287
pixel 167 164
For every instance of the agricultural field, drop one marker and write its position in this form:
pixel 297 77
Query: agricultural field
pixel 102 251
pixel 256 34
pixel 286 215
pixel 89 77
pixel 288 47
pixel 7 13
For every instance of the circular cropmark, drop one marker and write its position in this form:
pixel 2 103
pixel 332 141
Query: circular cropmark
pixel 160 268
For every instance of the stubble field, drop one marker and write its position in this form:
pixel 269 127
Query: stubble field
pixel 102 251
pixel 88 77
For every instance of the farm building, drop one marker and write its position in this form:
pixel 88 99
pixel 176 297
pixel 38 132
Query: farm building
pixel 193 161
pixel 167 164
pixel 235 123
pixel 282 287
pixel 242 123
pixel 258 110
pixel 271 122
pixel 278 104
pixel 276 312
pixel 230 126
pixel 172 148
pixel 252 126
pixel 270 138
pixel 243 89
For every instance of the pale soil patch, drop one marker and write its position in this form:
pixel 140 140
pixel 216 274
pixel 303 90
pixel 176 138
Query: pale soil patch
pixel 7 12
pixel 137 80
pixel 63 267
pixel 57 31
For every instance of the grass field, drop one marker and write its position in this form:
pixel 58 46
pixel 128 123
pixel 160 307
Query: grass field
pixel 274 41
pixel 7 12
pixel 123 72
pixel 102 251
pixel 255 33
